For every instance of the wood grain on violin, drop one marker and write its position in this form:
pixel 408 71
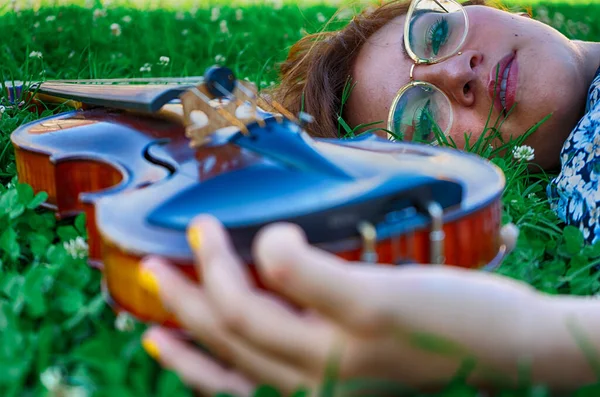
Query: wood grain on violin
pixel 140 182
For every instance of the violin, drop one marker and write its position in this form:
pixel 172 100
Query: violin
pixel 141 160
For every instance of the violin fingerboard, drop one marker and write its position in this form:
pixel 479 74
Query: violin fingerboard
pixel 145 98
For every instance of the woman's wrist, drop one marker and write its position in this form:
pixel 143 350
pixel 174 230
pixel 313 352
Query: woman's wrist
pixel 554 340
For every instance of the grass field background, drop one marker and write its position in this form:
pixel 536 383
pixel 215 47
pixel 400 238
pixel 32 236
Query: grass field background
pixel 57 334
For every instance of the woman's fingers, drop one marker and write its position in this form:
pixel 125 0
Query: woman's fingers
pixel 190 306
pixel 343 291
pixel 259 318
pixel 196 369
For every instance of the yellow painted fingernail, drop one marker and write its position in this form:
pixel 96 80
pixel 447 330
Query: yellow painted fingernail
pixel 194 237
pixel 148 281
pixel 151 348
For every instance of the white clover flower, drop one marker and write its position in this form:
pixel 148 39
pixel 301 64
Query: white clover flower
pixel 239 14
pixel 223 27
pixel 345 13
pixel 185 32
pixel 115 29
pixel 321 18
pixel 50 18
pixel 146 68
pixel 215 13
pixel 77 248
pixel 75 391
pixel 126 19
pixel 523 153
pixel 219 58
pixel 277 4
pixel 124 322
pixel 164 60
pixel 98 13
pixel 35 54
pixel 51 378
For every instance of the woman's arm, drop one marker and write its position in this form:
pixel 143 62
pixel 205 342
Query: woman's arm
pixel 382 321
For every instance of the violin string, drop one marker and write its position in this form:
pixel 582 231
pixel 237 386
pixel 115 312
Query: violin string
pixel 239 102
pixel 222 112
pixel 158 80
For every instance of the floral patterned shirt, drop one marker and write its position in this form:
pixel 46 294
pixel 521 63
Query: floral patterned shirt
pixel 574 194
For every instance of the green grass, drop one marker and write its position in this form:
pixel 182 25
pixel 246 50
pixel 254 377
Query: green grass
pixel 52 314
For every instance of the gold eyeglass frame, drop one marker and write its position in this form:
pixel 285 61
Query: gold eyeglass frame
pixel 422 61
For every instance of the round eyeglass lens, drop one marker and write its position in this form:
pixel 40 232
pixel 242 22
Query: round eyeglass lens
pixel 418 111
pixel 437 29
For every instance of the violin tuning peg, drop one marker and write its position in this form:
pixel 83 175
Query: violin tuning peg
pixel 220 81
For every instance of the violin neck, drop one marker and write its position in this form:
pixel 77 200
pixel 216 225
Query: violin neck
pixel 144 95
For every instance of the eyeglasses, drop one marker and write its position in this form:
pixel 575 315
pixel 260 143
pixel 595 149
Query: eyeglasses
pixel 435 30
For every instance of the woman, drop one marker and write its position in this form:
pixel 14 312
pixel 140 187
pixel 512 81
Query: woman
pixel 373 321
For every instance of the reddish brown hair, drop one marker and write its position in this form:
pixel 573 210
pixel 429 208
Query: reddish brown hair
pixel 318 66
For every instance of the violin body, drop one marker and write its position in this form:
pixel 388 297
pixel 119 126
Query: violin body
pixel 140 181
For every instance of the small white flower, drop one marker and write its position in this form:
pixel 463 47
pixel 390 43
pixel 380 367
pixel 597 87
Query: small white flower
pixel 124 322
pixel 215 13
pixel 115 29
pixel 523 153
pixel 71 54
pixel 50 18
pixel 223 27
pixel 239 14
pixel 35 54
pixel 219 58
pixel 51 378
pixel 345 13
pixel 36 25
pixel 164 60
pixel 126 19
pixel 77 248
pixel 146 68
pixel 321 18
pixel 75 391
pixel 2 110
pixel 185 32
pixel 98 13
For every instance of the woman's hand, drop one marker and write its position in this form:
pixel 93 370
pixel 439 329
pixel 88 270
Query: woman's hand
pixel 377 321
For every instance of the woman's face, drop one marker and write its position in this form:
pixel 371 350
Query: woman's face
pixel 546 69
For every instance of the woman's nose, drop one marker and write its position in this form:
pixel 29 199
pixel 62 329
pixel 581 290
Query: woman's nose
pixel 456 76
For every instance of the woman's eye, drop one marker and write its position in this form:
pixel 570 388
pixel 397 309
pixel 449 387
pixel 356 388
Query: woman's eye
pixel 422 123
pixel 437 35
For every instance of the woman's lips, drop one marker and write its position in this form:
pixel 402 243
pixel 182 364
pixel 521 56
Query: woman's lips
pixel 505 89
